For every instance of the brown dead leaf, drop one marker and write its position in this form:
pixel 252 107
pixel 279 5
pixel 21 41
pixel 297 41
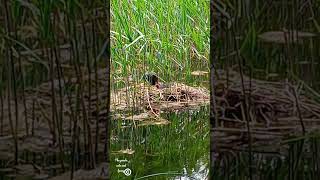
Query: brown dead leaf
pixel 124 151
pixel 199 73
pixel 25 169
pixel 6 170
pixel 156 121
pixel 140 117
pixel 285 36
pixel 40 176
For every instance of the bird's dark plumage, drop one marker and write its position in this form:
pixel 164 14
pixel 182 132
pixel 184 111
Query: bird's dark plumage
pixel 151 78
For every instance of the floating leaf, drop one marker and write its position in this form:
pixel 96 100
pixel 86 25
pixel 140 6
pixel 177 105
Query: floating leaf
pixel 41 176
pixel 125 151
pixel 285 36
pixel 140 117
pixel 159 121
pixel 6 170
pixel 25 169
pixel 199 73
pixel 272 75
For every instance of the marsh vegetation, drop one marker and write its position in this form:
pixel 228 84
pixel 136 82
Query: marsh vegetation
pixel 267 98
pixel 58 89
pixel 54 88
pixel 57 99
pixel 163 132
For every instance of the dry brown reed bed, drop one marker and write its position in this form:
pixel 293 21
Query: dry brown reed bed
pixel 174 97
pixel 147 101
pixel 276 111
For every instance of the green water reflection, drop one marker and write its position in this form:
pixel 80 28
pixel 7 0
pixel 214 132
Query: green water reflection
pixel 172 151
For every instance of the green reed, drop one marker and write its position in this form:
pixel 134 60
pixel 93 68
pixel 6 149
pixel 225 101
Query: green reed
pixel 167 37
pixel 31 36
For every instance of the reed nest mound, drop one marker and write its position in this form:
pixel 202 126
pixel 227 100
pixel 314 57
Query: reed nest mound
pixel 275 112
pixel 176 96
pixel 148 102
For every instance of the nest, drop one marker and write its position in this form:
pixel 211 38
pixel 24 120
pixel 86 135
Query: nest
pixel 275 111
pixel 174 97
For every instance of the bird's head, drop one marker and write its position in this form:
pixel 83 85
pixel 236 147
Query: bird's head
pixel 151 78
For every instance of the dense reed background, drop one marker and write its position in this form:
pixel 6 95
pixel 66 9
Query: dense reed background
pixel 249 37
pixel 170 38
pixel 50 119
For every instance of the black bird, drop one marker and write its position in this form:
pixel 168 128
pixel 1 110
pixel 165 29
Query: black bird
pixel 153 80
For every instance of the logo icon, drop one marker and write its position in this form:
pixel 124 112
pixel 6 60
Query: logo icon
pixel 126 171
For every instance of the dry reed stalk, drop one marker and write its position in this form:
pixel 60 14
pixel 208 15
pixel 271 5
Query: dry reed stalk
pixel 10 72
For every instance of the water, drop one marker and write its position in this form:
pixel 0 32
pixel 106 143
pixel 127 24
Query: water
pixel 179 150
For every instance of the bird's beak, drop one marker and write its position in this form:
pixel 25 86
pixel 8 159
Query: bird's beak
pixel 157 85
